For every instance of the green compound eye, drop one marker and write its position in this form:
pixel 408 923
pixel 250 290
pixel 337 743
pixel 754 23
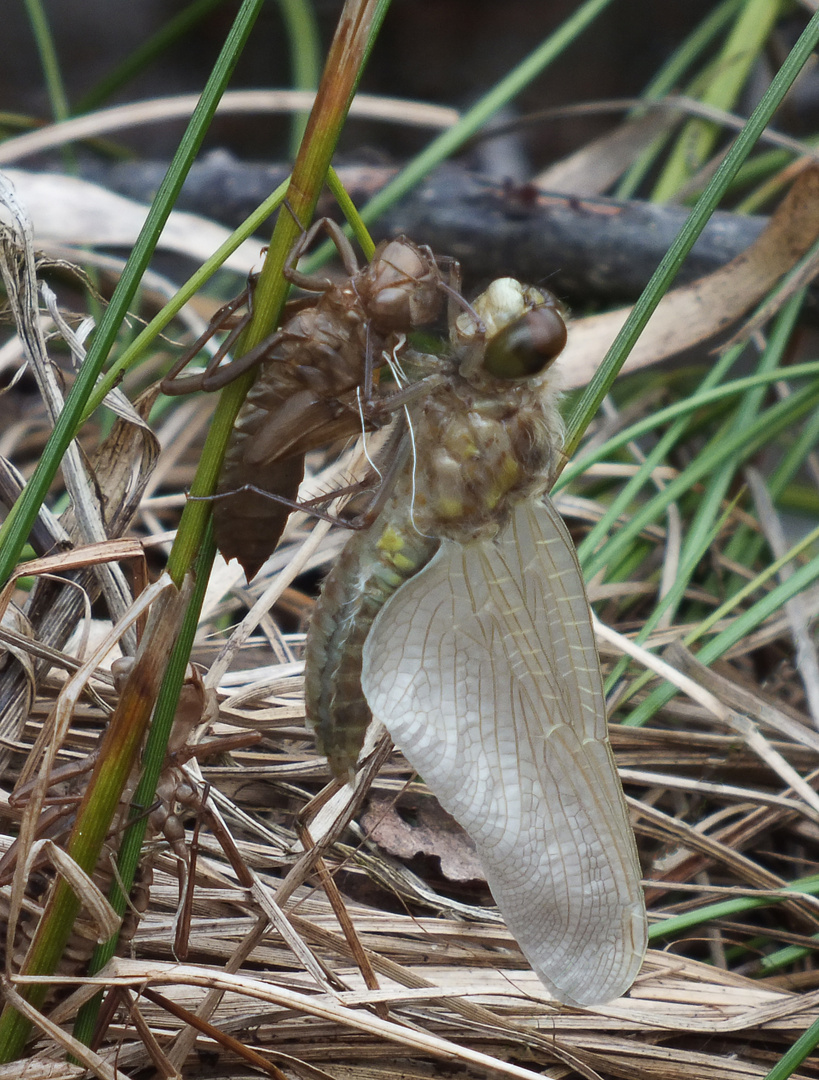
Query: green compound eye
pixel 527 346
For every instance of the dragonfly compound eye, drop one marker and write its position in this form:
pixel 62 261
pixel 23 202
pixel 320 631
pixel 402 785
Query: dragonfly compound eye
pixel 527 346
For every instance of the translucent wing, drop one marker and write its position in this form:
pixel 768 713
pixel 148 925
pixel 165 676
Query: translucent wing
pixel 484 670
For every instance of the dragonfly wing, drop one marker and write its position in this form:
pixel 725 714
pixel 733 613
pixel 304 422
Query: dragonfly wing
pixel 484 670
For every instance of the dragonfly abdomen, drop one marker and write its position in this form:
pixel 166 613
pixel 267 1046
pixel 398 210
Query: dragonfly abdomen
pixel 371 567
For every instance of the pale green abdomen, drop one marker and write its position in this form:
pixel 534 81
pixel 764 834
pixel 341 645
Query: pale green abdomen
pixel 373 564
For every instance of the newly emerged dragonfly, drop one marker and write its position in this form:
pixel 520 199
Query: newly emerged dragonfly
pixel 316 381
pixel 462 616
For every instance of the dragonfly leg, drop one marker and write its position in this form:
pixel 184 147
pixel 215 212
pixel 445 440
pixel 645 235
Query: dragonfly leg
pixel 311 282
pixel 396 453
pixel 311 506
pixel 172 384
pixel 215 377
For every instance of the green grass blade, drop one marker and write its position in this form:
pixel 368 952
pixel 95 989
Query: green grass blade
pixel 599 386
pixel 473 120
pixel 60 108
pixel 194 543
pixel 728 909
pixel 164 715
pixel 793 1058
pixel 744 624
pixel 668 78
pixel 123 735
pixel 305 57
pixel 17 525
pixel 740 445
pixel 667 441
pixel 148 335
pixel 730 73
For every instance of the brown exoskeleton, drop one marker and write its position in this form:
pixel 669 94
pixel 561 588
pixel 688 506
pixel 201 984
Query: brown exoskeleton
pixel 317 380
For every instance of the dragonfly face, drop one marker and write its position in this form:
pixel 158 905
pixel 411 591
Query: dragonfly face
pixel 462 618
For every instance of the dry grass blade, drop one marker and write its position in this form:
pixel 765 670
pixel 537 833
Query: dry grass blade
pixel 17 266
pixel 460 986
pixel 445 986
pixel 415 969
pixel 301 927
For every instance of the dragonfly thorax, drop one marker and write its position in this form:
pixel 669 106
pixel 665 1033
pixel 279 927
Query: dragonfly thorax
pixel 488 435
pixel 479 453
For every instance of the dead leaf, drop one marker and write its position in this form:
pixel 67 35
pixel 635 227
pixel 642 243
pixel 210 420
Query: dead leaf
pixel 67 210
pixel 416 825
pixel 699 312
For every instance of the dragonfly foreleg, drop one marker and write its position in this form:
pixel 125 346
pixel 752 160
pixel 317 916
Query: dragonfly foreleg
pixel 311 282
pixel 173 385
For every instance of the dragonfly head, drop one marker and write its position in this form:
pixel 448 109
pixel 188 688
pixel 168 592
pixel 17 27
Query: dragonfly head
pixel 513 332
